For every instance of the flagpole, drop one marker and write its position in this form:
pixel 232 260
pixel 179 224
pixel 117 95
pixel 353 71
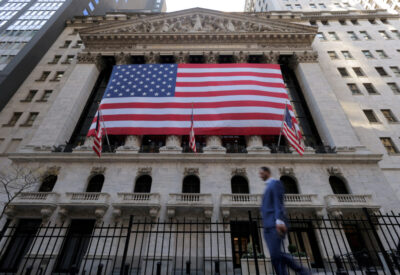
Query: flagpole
pixel 280 132
pixel 104 126
pixel 192 125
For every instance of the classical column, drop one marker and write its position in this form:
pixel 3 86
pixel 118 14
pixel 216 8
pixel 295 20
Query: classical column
pixel 213 143
pixel 172 145
pixel 327 112
pixel 152 58
pixel 61 119
pixel 122 58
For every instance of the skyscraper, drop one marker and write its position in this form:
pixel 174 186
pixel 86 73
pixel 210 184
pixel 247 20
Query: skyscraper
pixel 29 27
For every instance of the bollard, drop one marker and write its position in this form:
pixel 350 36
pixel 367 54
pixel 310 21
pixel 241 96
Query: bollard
pixel 188 267
pixel 216 264
pixel 339 266
pixel 28 270
pixel 158 272
pixel 100 269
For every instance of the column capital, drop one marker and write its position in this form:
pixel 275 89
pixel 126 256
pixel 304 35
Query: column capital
pixel 211 57
pixel 181 57
pixel 90 58
pixel 304 57
pixel 122 58
pixel 272 57
pixel 152 57
pixel 241 57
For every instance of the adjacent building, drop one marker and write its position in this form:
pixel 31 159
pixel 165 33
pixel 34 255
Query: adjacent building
pixel 29 27
pixel 340 72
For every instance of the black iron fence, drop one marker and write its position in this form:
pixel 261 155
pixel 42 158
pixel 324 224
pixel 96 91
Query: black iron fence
pixel 362 244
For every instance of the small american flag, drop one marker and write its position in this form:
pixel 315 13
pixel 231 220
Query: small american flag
pixel 192 139
pixel 231 99
pixel 292 134
pixel 98 136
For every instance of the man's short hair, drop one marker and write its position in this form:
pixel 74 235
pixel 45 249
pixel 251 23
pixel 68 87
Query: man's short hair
pixel 266 169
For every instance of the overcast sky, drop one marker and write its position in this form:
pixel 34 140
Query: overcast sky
pixel 222 5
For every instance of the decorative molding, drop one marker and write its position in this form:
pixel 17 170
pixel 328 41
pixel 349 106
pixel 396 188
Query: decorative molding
pixel 144 171
pixel 272 57
pixel 89 58
pixel 191 171
pixel 239 172
pixel 152 57
pixel 181 57
pixel 98 170
pixel 211 57
pixel 122 58
pixel 52 170
pixel 334 171
pixel 242 57
pixel 286 171
pixel 304 57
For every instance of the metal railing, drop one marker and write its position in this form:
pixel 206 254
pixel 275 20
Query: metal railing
pixel 198 246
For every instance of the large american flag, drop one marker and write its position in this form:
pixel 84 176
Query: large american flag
pixel 228 99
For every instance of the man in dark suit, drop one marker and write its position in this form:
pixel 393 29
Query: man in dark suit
pixel 274 223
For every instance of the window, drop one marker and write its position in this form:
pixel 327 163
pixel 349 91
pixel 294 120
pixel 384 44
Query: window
pixel 321 36
pixel 354 88
pixel 388 114
pixel 389 145
pixel 313 23
pixel 19 245
pixel 78 44
pixel 353 36
pixel 191 184
pixel 343 72
pixel 333 36
pixel 297 6
pixel 396 33
pixel 381 53
pixel 384 35
pixel 325 22
pixel 313 6
pixel 358 71
pixel 338 185
pixel 347 55
pixel 31 94
pixel 66 44
pixel 395 70
pixel 58 76
pixel 45 96
pixel 342 22
pixel 239 185
pixel 370 88
pixel 55 59
pixel 322 6
pixel 333 55
pixel 395 88
pixel 288 7
pixel 15 117
pixel 68 59
pixel 368 54
pixel 384 21
pixel 355 22
pixel 143 184
pixel 372 21
pixel 381 71
pixel 44 76
pixel 365 35
pixel 31 119
pixel 95 184
pixel 48 183
pixel 290 185
pixel 371 116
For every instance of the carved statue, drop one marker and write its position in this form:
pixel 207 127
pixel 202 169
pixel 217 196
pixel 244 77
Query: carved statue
pixel 197 24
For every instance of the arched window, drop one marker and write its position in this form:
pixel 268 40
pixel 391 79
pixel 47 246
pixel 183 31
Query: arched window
pixel 338 185
pixel 48 183
pixel 143 184
pixel 95 183
pixel 191 184
pixel 239 185
pixel 290 185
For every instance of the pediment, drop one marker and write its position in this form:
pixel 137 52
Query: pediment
pixel 198 21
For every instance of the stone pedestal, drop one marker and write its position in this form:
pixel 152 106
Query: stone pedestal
pixel 214 145
pixel 255 145
pixel 132 145
pixel 172 145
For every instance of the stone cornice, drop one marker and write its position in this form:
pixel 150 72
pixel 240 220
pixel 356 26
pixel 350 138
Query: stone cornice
pixel 196 158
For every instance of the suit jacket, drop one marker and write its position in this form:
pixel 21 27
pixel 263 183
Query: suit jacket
pixel 272 207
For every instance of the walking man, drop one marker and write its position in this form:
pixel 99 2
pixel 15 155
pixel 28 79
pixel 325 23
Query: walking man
pixel 274 223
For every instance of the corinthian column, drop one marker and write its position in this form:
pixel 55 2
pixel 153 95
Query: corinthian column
pixel 172 145
pixel 213 143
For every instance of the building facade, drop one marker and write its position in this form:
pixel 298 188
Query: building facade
pixel 157 177
pixel 29 27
